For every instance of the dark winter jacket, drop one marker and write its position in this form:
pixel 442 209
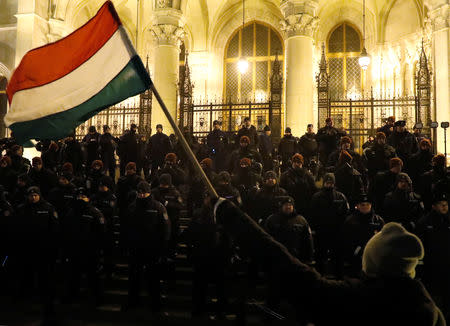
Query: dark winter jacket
pixel 377 158
pixel 250 133
pixel 300 185
pixel 405 144
pixel 368 302
pixel 293 232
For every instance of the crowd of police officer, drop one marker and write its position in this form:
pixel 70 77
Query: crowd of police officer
pixel 316 194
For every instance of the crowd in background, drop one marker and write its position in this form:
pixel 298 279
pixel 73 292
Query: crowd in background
pixel 315 194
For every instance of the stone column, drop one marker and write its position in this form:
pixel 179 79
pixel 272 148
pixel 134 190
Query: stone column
pixel 299 24
pixel 168 32
pixel 441 53
pixel 32 27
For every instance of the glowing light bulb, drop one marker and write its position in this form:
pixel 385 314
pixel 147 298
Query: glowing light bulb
pixel 243 65
pixel 364 59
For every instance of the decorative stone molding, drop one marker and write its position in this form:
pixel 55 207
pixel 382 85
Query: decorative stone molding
pixel 163 3
pixel 168 27
pixel 299 24
pixel 167 34
pixel 440 17
pixel 56 29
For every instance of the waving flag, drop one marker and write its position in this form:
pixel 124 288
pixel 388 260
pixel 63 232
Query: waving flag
pixel 60 85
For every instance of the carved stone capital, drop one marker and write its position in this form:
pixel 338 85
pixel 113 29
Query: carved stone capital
pixel 168 27
pixel 162 4
pixel 299 24
pixel 168 34
pixel 440 17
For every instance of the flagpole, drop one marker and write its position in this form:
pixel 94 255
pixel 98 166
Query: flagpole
pixel 184 144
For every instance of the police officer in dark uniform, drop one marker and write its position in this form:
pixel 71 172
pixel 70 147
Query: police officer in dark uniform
pixel 266 148
pixel 437 180
pixel 62 195
pixel 357 230
pixel 105 200
pixel 287 148
pixel 108 146
pixel 377 156
pixel 42 177
pixel 226 190
pixel 420 162
pixel 72 152
pixel 147 236
pixel 300 185
pixel 328 138
pixel 245 150
pixel 171 198
pixel 266 200
pixel 329 208
pixel 388 128
pixel 384 182
pixel 160 146
pixel 91 143
pixel 292 230
pixel 246 181
pixel 82 228
pixel 348 179
pixel 171 167
pixel 93 178
pixel 307 145
pixel 126 187
pixel 250 131
pixel 209 251
pixel 434 231
pixel 36 247
pixel 216 141
pixel 403 205
pixel 403 141
pixel 129 147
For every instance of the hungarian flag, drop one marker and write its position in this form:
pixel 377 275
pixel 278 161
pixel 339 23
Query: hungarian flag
pixel 60 85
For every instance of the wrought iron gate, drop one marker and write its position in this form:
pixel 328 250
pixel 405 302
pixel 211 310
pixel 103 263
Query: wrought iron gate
pixel 119 117
pixel 361 117
pixel 199 117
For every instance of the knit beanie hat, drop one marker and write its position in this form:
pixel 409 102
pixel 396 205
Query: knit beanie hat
pixel 392 252
pixel 165 179
pixel 270 175
pixel 207 162
pixel 224 177
pixel 380 135
pixel 345 140
pixel 131 166
pixel 245 161
pixel 34 190
pixel 36 160
pixel 329 177
pixel 143 187
pixel 403 177
pixel 395 161
pixel 244 139
pixel 97 163
pixel 439 160
pixel 171 157
pixel 297 158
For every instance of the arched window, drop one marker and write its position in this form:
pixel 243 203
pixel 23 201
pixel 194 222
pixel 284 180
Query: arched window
pixel 259 44
pixel 343 50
